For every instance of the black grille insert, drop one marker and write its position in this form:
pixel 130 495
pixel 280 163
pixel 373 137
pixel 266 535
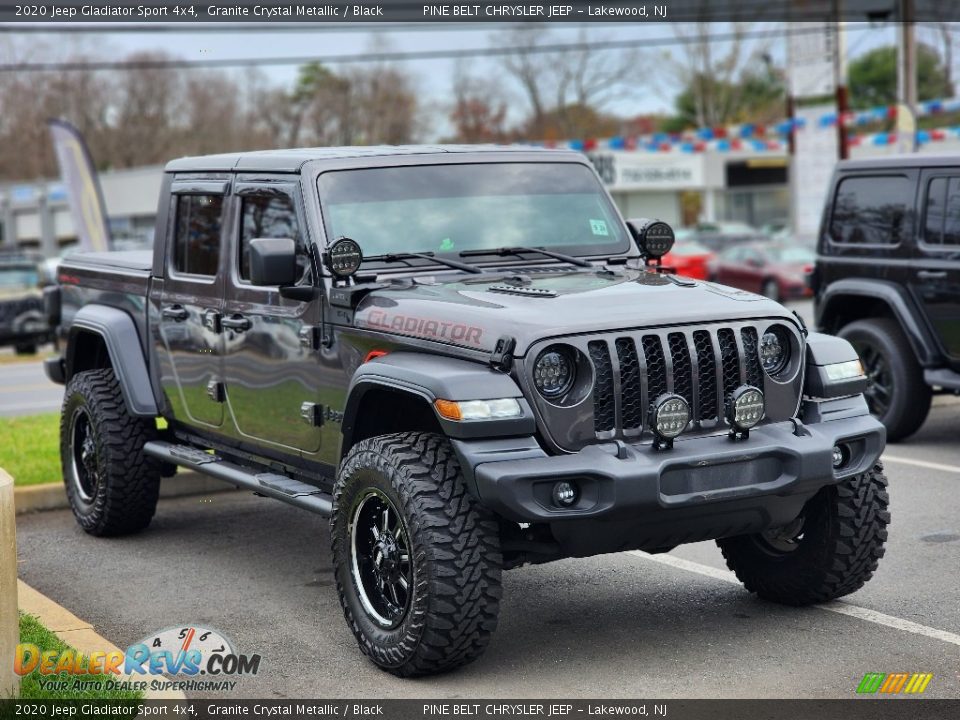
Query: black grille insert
pixel 604 406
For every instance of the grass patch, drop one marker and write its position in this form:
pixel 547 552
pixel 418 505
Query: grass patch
pixel 31 631
pixel 30 448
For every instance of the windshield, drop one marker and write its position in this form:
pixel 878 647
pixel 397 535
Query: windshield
pixel 448 209
pixel 25 277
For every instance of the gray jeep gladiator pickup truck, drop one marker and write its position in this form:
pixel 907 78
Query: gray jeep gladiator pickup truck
pixel 469 361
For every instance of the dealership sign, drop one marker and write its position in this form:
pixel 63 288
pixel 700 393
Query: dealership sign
pixel 642 171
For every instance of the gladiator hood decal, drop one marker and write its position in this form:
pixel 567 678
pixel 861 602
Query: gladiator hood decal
pixel 473 313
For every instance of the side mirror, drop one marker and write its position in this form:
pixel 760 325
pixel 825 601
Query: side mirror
pixel 273 261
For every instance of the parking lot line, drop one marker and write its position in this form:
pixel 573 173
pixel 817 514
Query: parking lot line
pixel 840 607
pixel 922 463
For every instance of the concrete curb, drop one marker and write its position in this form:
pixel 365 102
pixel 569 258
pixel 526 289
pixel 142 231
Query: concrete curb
pixel 51 496
pixel 75 632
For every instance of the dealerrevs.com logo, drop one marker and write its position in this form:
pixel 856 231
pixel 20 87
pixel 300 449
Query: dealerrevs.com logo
pixel 185 652
pixel 894 683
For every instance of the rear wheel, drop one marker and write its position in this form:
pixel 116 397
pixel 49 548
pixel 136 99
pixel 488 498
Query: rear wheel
pixel 112 485
pixel 896 392
pixel 831 550
pixel 416 558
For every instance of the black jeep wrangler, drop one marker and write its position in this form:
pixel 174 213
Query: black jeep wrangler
pixel 22 319
pixel 469 361
pixel 888 279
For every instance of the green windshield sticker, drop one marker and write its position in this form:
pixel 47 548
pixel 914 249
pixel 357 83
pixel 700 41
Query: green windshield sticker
pixel 598 227
pixel 446 245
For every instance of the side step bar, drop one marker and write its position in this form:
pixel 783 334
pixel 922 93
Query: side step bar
pixel 274 485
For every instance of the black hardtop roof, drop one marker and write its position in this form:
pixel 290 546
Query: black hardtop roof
pixel 912 160
pixel 293 160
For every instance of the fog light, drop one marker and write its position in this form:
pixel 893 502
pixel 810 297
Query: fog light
pixel 565 493
pixel 744 410
pixel 839 456
pixel 669 415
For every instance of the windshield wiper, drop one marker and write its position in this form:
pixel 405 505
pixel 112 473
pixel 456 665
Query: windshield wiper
pixel 400 257
pixel 521 250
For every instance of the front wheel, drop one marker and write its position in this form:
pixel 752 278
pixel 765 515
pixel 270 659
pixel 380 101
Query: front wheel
pixel 896 391
pixel 831 550
pixel 416 557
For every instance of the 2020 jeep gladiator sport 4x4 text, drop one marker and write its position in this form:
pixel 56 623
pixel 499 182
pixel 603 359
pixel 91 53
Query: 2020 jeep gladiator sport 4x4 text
pixel 463 357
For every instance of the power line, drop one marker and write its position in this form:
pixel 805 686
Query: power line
pixel 402 56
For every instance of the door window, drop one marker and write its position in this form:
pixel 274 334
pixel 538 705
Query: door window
pixel 942 221
pixel 872 210
pixel 196 244
pixel 268 216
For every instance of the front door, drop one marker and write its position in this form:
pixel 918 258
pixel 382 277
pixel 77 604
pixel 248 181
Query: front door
pixel 935 269
pixel 270 367
pixel 189 346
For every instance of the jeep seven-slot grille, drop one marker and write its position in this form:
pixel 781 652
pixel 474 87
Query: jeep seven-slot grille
pixel 704 366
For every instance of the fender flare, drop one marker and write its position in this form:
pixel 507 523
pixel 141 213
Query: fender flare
pixel 119 334
pixel 901 305
pixel 431 377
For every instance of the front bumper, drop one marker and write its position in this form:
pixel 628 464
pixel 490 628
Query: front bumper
pixel 762 481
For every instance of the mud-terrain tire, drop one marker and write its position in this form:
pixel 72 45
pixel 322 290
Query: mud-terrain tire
pixel 452 546
pixel 840 543
pixel 112 485
pixel 896 393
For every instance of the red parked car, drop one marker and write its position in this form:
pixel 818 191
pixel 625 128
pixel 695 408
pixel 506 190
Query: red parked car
pixel 689 258
pixel 780 272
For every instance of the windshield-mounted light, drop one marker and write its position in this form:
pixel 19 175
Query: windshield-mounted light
pixel 470 410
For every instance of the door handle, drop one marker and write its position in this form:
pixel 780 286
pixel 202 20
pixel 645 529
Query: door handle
pixel 177 313
pixel 237 323
pixel 931 274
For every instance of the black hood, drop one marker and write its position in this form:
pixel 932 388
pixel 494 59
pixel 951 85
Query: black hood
pixel 475 312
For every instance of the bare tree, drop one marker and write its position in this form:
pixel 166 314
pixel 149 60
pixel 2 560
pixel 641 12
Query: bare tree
pixel 564 86
pixel 479 109
pixel 710 71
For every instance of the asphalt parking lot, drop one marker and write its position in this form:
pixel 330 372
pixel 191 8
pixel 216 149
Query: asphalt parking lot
pixel 617 626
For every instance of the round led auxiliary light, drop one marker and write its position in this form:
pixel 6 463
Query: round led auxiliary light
pixel 745 408
pixel 655 238
pixel 669 416
pixel 343 258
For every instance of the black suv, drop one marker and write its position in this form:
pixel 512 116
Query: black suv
pixel 888 279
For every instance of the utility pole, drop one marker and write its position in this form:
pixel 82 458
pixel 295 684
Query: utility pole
pixel 907 76
pixel 840 78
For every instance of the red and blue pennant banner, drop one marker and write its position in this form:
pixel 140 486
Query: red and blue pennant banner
pixel 759 137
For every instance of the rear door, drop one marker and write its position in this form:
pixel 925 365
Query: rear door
pixel 935 269
pixel 189 344
pixel 270 366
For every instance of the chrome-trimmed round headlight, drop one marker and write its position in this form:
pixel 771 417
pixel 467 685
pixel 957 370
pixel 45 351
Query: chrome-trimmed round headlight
pixel 745 407
pixel 774 349
pixel 554 372
pixel 669 416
